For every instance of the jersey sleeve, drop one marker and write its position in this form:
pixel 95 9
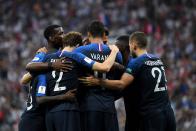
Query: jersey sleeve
pixel 39 57
pixel 81 59
pixel 133 67
pixel 119 58
pixel 84 60
pixel 79 49
pixel 41 85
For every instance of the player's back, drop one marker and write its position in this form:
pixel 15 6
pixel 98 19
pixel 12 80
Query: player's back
pixel 59 83
pixel 32 107
pixel 98 98
pixel 33 117
pixel 151 81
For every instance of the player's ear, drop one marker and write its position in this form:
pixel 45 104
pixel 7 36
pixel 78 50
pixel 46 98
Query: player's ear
pixel 104 35
pixel 135 46
pixel 50 38
pixel 89 34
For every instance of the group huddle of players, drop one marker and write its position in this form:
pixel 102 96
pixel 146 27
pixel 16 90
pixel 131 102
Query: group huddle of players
pixel 74 84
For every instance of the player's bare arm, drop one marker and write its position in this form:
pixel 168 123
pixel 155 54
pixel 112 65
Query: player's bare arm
pixel 68 96
pixel 26 78
pixel 121 84
pixel 59 65
pixel 107 64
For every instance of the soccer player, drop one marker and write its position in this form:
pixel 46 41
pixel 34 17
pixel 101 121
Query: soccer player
pixel 131 108
pixel 146 73
pixel 97 104
pixel 64 115
pixel 122 42
pixel 105 37
pixel 33 119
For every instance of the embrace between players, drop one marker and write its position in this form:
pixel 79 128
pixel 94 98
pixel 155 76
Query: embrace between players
pixel 73 86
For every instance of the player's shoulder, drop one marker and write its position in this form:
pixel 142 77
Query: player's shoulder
pixel 105 46
pixel 65 54
pixel 153 60
pixel 152 56
pixel 137 59
pixel 52 55
pixel 145 57
pixel 82 48
pixel 72 55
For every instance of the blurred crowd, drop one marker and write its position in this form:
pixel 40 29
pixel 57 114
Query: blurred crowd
pixel 169 24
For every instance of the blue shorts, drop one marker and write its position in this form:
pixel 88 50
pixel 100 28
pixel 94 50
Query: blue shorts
pixel 99 121
pixel 65 120
pixel 31 122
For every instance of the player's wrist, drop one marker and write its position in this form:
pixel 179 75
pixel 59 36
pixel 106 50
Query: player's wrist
pixel 114 51
pixel 50 65
pixel 62 97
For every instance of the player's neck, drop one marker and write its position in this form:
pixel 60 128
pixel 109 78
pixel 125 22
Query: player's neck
pixel 96 40
pixel 141 52
pixel 68 48
pixel 50 48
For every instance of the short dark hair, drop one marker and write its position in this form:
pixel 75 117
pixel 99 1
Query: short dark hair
pixel 124 38
pixel 49 31
pixel 72 39
pixel 107 33
pixel 123 42
pixel 139 38
pixel 96 28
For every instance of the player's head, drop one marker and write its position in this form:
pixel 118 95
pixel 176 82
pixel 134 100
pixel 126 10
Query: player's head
pixel 137 42
pixel 54 35
pixel 72 39
pixel 96 30
pixel 106 35
pixel 122 43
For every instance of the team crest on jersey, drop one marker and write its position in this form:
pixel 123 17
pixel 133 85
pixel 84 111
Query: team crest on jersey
pixel 42 89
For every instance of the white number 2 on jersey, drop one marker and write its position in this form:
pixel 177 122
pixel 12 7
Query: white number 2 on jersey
pixel 96 75
pixel 156 69
pixel 57 88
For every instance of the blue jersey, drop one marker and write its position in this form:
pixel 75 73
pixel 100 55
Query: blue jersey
pixel 79 58
pixel 32 106
pixel 59 83
pixel 97 98
pixel 149 83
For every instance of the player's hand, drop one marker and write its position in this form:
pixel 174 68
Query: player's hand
pixel 114 48
pixel 90 81
pixel 70 95
pixel 43 49
pixel 62 65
